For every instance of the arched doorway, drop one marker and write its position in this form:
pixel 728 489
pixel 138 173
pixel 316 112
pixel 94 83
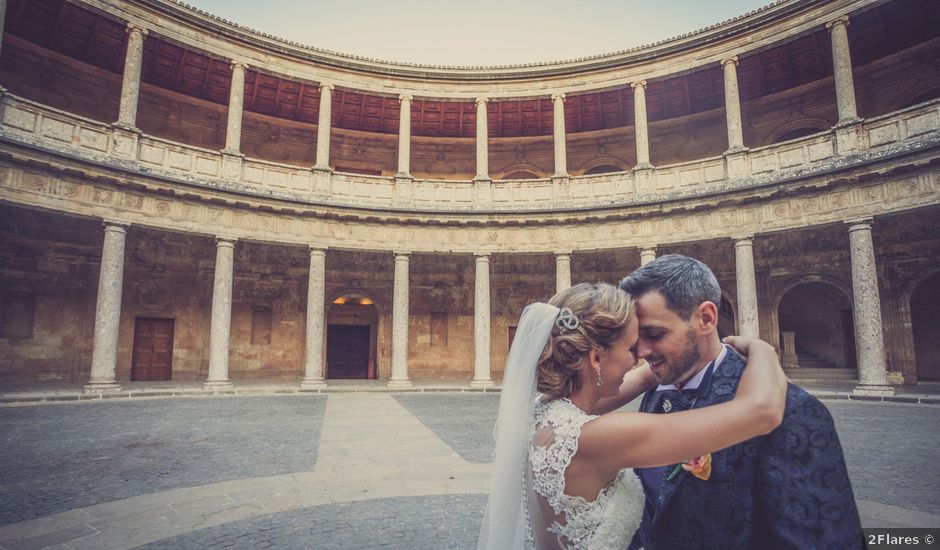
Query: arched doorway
pixel 352 321
pixel 925 301
pixel 817 317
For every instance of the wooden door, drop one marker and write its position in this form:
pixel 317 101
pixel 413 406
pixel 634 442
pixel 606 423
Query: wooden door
pixel 347 351
pixel 153 349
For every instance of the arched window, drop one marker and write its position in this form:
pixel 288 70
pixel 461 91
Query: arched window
pixel 603 169
pixel 520 175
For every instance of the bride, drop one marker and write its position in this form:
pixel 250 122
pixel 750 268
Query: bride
pixel 562 471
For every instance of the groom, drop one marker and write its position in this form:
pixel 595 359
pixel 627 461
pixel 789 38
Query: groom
pixel 786 489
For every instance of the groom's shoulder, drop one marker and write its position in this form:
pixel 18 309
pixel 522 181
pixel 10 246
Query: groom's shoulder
pixel 803 407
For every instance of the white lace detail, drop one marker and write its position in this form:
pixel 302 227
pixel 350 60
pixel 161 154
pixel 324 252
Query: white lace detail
pixel 607 522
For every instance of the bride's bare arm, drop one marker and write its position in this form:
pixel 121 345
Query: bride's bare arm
pixel 637 381
pixel 618 440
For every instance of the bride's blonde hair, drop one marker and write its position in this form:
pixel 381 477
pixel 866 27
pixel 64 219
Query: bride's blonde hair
pixel 603 311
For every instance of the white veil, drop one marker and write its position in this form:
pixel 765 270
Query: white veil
pixel 504 521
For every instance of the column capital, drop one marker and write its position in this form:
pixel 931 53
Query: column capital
pixel 732 59
pixel 239 65
pixel 327 86
pixel 558 253
pixel 316 250
pixel 225 241
pixel 638 84
pixel 483 100
pixel 405 97
pixel 841 20
pixel 742 238
pixel 482 256
pixel 135 28
pixel 859 223
pixel 557 96
pixel 115 225
pixel 401 254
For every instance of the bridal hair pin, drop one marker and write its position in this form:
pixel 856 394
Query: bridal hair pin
pixel 567 320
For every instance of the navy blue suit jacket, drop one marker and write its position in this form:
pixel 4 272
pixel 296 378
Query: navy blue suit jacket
pixel 786 489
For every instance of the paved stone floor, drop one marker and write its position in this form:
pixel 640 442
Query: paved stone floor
pixel 343 470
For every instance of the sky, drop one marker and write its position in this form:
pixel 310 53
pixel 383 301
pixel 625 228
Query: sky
pixel 478 32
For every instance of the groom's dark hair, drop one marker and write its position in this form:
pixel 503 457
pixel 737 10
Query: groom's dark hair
pixel 683 281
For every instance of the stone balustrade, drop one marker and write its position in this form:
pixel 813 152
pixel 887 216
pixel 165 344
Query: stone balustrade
pixel 35 125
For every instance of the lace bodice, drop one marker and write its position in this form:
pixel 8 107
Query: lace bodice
pixel 557 519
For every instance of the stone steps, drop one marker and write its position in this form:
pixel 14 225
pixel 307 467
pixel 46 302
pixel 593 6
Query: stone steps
pixel 821 373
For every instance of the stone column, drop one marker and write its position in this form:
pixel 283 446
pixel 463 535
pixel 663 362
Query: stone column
pixel 3 13
pixel 316 313
pixel 747 287
pixel 236 101
pixel 842 70
pixel 483 149
pixel 640 126
pixel 399 377
pixel 108 310
pixel 324 123
pixel 130 87
pixel 404 137
pixel 481 324
pixel 220 324
pixel 788 357
pixel 872 374
pixel 647 255
pixel 562 271
pixel 558 125
pixel 733 105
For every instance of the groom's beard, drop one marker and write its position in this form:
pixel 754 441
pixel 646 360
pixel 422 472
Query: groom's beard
pixel 678 370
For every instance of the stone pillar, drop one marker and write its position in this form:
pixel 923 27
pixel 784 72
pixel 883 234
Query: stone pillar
pixel 483 149
pixel 130 87
pixel 108 310
pixel 3 13
pixel 558 125
pixel 316 313
pixel 788 357
pixel 733 106
pixel 404 137
pixel 872 374
pixel 236 101
pixel 640 126
pixel 562 271
pixel 324 123
pixel 747 287
pixel 399 377
pixel 220 325
pixel 842 70
pixel 647 255
pixel 481 324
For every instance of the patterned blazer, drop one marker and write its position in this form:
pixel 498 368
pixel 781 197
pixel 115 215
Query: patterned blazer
pixel 786 489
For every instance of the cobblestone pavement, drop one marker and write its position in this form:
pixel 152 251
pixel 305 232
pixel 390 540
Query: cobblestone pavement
pixel 414 523
pixel 892 452
pixel 465 422
pixel 59 457
pixel 337 471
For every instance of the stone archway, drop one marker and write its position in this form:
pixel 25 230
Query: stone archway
pixel 925 325
pixel 351 337
pixel 817 330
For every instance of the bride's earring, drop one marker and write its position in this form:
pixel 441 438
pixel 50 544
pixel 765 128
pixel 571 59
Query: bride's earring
pixel 600 381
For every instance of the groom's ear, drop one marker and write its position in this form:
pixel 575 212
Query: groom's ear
pixel 707 318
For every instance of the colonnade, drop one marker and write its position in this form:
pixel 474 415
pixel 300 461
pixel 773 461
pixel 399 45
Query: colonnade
pixel 867 310
pixel 842 68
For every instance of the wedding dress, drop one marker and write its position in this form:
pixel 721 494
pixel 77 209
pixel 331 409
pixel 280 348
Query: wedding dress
pixel 535 442
pixel 558 520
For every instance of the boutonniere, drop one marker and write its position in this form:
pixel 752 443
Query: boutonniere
pixel 700 467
